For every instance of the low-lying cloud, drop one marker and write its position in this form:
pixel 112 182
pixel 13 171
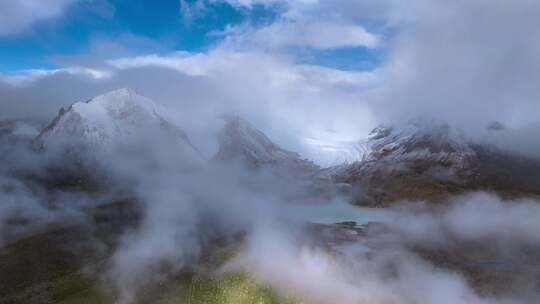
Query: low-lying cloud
pixel 386 268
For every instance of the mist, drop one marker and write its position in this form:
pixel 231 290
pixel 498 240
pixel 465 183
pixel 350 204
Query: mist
pixel 187 202
pixel 467 63
pixel 147 215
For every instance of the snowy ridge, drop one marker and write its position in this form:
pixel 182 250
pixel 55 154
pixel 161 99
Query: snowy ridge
pixel 420 148
pixel 241 140
pixel 116 117
pixel 425 160
pixel 419 140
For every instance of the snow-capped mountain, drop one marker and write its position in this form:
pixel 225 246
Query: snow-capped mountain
pixel 446 149
pixel 116 117
pixel 240 140
pixel 430 161
pixel 395 149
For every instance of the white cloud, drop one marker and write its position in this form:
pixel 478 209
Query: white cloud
pixel 18 16
pixel 222 61
pixel 27 77
pixel 315 34
pixel 465 62
pixel 250 3
pixel 317 24
pixel 269 89
pixel 181 61
pixel 191 11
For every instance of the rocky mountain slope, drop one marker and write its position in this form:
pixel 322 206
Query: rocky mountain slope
pixel 429 161
pixel 89 141
pixel 240 140
pixel 64 262
pixel 117 117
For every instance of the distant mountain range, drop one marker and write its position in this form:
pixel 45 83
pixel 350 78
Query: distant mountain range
pixel 61 259
pixel 421 160
pixel 425 160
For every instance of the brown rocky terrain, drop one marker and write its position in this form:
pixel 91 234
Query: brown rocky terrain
pixel 433 163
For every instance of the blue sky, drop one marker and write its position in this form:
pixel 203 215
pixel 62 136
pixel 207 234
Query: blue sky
pixel 73 33
pixel 152 27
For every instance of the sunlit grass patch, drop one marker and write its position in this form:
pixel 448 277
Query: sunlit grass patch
pixel 234 288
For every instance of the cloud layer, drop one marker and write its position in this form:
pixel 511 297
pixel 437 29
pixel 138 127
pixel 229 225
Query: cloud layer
pixel 467 62
pixel 19 16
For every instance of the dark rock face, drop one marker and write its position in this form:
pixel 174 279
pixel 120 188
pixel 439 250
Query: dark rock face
pixel 510 174
pixel 240 140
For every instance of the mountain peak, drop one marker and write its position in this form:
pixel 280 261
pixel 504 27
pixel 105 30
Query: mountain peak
pixel 431 161
pixel 239 139
pixel 115 94
pixel 495 126
pixel 116 117
pixel 120 95
pixel 418 139
pixel 121 102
